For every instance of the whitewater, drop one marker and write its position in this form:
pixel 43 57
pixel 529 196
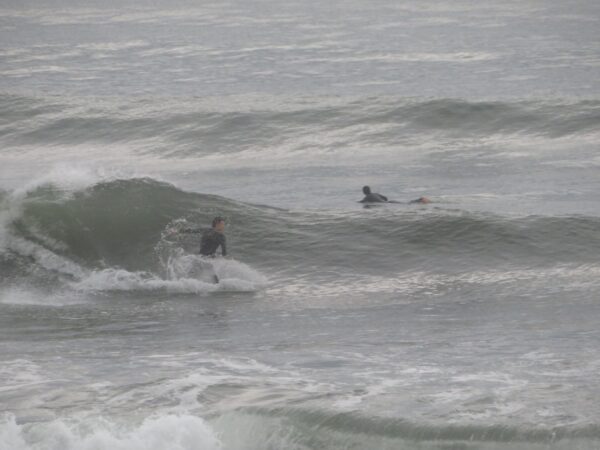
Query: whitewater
pixel 467 323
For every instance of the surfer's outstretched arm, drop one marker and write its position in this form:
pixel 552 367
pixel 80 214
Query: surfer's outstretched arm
pixel 191 230
pixel 173 230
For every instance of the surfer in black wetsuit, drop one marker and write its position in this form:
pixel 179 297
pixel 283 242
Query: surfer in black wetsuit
pixel 372 197
pixel 212 239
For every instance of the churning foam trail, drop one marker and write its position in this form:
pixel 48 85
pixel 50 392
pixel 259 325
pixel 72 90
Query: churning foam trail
pixel 233 276
pixel 173 432
pixel 26 295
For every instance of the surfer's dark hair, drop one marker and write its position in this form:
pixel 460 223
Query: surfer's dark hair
pixel 217 220
pixel 366 190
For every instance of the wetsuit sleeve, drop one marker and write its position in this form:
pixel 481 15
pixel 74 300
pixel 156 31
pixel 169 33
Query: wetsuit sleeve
pixel 384 197
pixel 223 246
pixel 191 230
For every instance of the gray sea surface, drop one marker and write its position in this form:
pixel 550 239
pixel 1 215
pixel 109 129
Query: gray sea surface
pixel 466 323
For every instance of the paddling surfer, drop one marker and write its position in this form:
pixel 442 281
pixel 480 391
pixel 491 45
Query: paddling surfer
pixel 373 197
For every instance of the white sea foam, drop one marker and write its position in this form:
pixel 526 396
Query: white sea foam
pixel 175 432
pixel 456 57
pixel 184 394
pixel 64 178
pixel 425 283
pixel 44 258
pixel 54 56
pixel 380 388
pixel 18 373
pixel 113 46
pixel 25 295
pixel 184 277
pixel 176 51
pixel 123 280
pixel 27 72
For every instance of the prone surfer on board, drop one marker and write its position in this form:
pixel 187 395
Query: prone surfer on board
pixel 373 197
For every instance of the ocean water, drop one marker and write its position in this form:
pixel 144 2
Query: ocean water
pixel 467 323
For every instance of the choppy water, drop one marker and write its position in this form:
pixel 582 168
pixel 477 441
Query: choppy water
pixel 468 323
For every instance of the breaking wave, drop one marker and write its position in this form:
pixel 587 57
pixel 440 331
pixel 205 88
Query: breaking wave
pixel 116 234
pixel 110 236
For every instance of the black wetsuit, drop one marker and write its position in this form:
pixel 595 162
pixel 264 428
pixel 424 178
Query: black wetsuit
pixel 374 198
pixel 210 241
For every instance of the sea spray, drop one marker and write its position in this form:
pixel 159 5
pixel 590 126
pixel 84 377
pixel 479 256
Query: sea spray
pixel 176 432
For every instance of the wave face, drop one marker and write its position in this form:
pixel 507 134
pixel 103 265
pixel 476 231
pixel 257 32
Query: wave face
pixel 124 225
pixel 187 432
pixel 108 236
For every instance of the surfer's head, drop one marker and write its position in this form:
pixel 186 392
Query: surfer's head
pixel 366 190
pixel 218 224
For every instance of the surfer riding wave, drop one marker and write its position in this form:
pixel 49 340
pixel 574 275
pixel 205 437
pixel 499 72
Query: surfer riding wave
pixel 212 238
